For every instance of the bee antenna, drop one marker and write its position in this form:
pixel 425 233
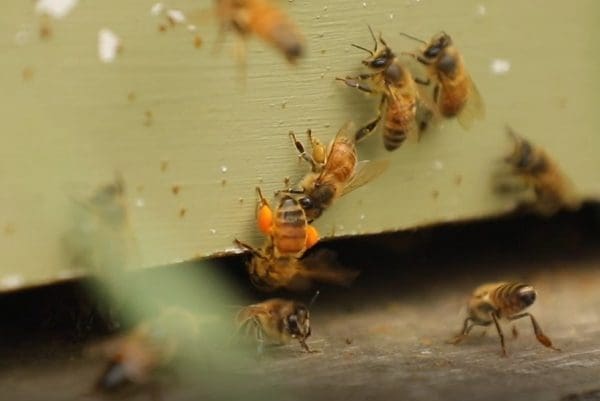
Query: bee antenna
pixel 313 299
pixel 413 37
pixel 373 36
pixel 362 48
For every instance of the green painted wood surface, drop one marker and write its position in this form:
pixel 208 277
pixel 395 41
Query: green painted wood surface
pixel 70 122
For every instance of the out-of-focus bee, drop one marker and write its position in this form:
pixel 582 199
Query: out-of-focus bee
pixel 454 92
pixel 136 358
pixel 269 272
pixel 406 116
pixel 492 302
pixel 275 321
pixel 264 19
pixel 553 190
pixel 287 227
pixel 335 171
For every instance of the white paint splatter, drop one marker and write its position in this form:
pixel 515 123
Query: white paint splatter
pixel 157 9
pixel 192 28
pixel 23 35
pixel 224 169
pixel 438 165
pixel 212 231
pixel 176 16
pixel 140 202
pixel 12 281
pixel 55 8
pixel 481 10
pixel 500 66
pixel 108 45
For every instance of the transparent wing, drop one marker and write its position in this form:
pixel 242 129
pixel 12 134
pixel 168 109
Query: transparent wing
pixel 366 171
pixel 473 110
pixel 322 266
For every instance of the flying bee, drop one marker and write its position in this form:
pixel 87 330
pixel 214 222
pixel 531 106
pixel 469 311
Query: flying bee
pixel 454 93
pixel 492 302
pixel 553 190
pixel 269 272
pixel 406 114
pixel 264 19
pixel 287 226
pixel 135 359
pixel 335 171
pixel 275 321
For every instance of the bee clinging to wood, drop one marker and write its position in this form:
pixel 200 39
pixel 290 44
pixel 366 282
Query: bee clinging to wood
pixel 287 226
pixel 538 171
pixel 335 171
pixel 490 303
pixel 269 272
pixel 263 19
pixel 401 106
pixel 454 93
pixel 275 322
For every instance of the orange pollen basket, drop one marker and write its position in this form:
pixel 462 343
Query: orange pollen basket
pixel 265 219
pixel 312 236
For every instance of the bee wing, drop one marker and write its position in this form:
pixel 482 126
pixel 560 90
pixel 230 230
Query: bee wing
pixel 474 109
pixel 322 265
pixel 347 131
pixel 366 171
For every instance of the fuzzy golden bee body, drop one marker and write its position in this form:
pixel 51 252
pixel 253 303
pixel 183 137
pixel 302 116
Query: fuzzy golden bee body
pixel 275 321
pixel 492 302
pixel 553 189
pixel 265 20
pixel 401 106
pixel 335 171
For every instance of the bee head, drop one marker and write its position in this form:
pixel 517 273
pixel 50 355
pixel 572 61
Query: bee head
pixel 437 44
pixel 298 322
pixel 527 295
pixel 380 58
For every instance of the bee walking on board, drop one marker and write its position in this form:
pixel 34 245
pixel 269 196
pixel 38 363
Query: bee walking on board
pixel 454 93
pixel 275 322
pixel 490 303
pixel 280 262
pixel 537 170
pixel 335 171
pixel 263 19
pixel 404 112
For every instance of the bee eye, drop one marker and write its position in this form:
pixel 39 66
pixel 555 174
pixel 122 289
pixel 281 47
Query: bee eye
pixel 293 323
pixel 379 62
pixel 306 202
pixel 432 51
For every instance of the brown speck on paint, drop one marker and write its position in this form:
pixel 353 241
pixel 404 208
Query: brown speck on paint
pixel 223 182
pixel 175 189
pixel 197 41
pixel 348 341
pixel 182 212
pixel 164 165
pixel 27 73
pixel 45 30
pixel 162 28
pixel 435 194
pixel 286 181
pixel 148 118
pixel 9 229
pixel 241 200
pixel 458 179
pixel 131 96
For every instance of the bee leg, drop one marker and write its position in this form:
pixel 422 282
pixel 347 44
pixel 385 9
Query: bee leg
pixel 302 151
pixel 363 132
pixel 417 57
pixel 515 332
pixel 422 81
pixel 495 318
pixel 354 83
pixel 305 347
pixel 464 333
pixel 539 334
pixel 436 93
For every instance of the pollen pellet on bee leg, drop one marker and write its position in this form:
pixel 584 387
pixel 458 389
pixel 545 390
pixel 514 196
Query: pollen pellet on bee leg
pixel 265 219
pixel 312 236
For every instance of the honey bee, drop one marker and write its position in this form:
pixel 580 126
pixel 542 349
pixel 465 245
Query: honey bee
pixel 287 227
pixel 275 321
pixel 492 302
pixel 406 114
pixel 136 358
pixel 553 190
pixel 454 93
pixel 269 272
pixel 264 19
pixel 335 171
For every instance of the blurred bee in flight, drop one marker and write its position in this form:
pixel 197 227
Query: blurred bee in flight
pixel 335 171
pixel 137 359
pixel 535 169
pixel 490 303
pixel 403 109
pixel 280 262
pixel 263 19
pixel 275 322
pixel 454 93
